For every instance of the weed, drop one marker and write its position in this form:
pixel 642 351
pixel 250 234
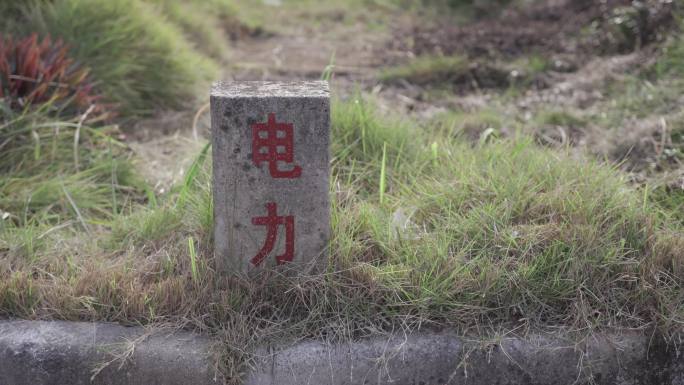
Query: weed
pixel 383 172
pixel 559 118
pixel 52 172
pixel 33 72
pixel 470 125
pixel 430 70
pixel 671 200
pixel 137 56
pixel 671 61
pixel 471 8
pixel 195 168
pixel 527 71
pixel 193 260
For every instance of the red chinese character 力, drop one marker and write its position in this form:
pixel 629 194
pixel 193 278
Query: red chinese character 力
pixel 272 221
pixel 266 148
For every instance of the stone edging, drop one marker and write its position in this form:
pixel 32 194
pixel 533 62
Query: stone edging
pixel 46 353
pixel 70 353
pixel 437 359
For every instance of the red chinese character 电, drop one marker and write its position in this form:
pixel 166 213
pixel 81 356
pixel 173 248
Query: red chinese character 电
pixel 269 146
pixel 272 221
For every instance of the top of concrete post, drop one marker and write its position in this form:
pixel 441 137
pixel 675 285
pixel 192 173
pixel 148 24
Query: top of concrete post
pixel 261 89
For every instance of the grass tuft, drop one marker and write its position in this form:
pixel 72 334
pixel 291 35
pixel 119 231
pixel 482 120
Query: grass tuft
pixel 140 60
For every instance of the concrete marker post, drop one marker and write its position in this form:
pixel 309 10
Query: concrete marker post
pixel 271 174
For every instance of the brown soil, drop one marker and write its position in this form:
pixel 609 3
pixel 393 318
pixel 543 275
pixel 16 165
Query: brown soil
pixel 546 27
pixel 166 145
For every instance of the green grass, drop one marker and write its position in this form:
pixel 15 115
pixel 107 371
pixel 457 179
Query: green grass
pixel 323 17
pixel 461 74
pixel 488 229
pixel 635 96
pixel 471 125
pixel 57 169
pixel 58 176
pixel 672 60
pixel 426 70
pixel 428 229
pixel 671 200
pixel 205 23
pixel 534 63
pixel 139 58
pixel 525 70
pixel 556 117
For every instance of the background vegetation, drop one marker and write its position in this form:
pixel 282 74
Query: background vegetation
pixel 484 219
pixel 144 54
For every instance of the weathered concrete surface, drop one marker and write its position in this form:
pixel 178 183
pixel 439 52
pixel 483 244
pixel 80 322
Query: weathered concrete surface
pixel 287 170
pixel 68 353
pixel 427 359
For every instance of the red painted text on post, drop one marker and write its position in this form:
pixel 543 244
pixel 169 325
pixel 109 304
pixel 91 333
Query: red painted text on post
pixel 273 142
pixel 272 221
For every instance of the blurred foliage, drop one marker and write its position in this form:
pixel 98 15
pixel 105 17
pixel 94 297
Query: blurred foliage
pixel 139 58
pixel 630 27
pixel 477 8
pixel 38 72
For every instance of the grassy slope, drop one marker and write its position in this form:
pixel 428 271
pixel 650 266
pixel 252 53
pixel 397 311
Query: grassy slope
pixel 502 232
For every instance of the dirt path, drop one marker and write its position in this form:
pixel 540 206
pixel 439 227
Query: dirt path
pixel 305 43
pixel 304 55
pixel 302 43
pixel 302 47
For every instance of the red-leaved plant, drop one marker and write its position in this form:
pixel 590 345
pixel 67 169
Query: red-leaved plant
pixel 34 73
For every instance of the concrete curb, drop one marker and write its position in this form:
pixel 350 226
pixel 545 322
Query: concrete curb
pixel 432 359
pixel 37 353
pixel 69 353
